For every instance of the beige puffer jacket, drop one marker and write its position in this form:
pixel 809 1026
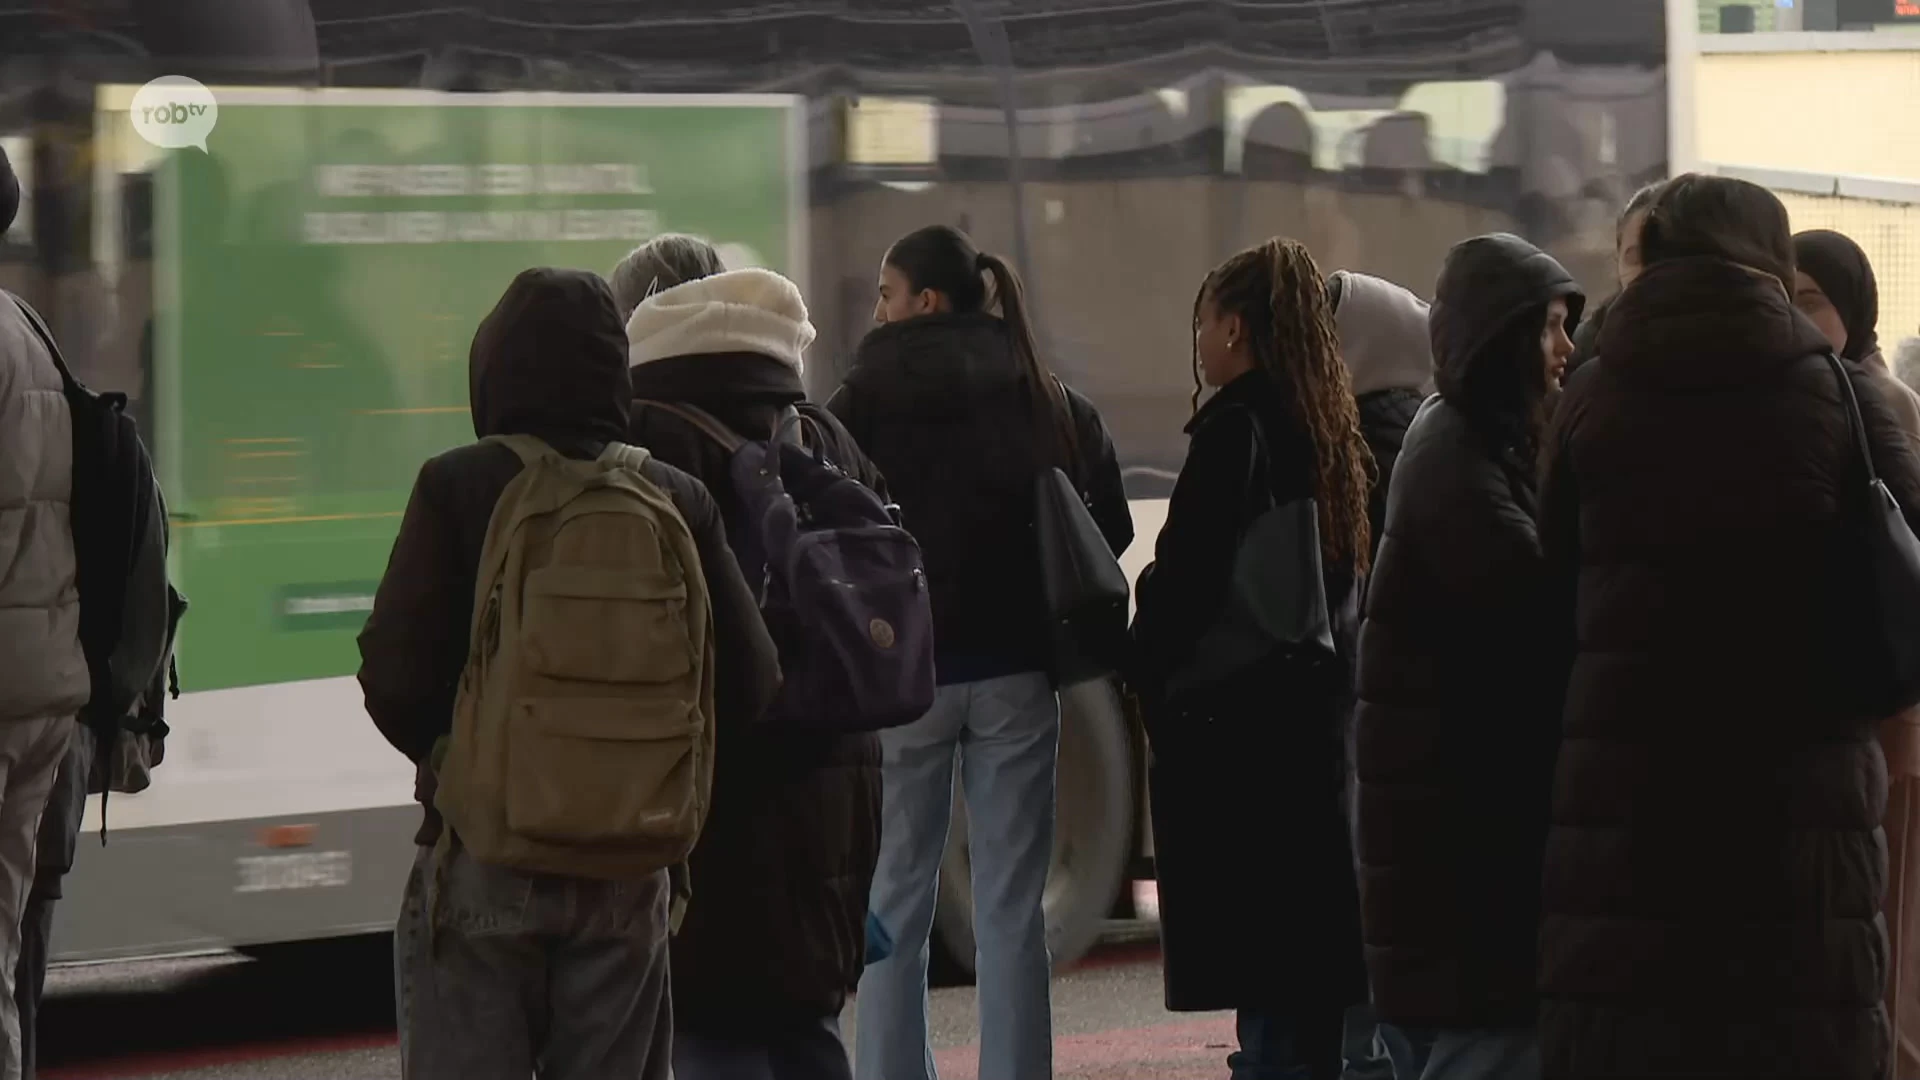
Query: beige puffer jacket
pixel 45 671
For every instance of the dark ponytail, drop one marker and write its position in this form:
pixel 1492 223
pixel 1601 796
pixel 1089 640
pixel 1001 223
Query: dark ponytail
pixel 945 260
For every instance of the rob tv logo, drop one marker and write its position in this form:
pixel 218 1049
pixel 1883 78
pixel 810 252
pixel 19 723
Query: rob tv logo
pixel 174 112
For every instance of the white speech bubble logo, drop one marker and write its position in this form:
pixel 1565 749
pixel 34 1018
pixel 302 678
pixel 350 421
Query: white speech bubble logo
pixel 174 112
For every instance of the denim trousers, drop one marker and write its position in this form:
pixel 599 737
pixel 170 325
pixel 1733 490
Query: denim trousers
pixel 1005 735
pixel 509 975
pixel 1462 1054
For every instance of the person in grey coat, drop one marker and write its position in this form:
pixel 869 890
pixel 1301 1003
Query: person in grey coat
pixel 45 682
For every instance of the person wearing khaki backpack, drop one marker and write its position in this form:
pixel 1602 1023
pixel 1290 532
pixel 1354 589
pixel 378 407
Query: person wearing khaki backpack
pixel 560 634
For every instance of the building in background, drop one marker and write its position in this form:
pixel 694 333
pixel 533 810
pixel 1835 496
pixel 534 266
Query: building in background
pixel 1821 120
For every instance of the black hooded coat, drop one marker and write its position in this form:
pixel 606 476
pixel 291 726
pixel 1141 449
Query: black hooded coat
pixel 550 361
pixel 1459 707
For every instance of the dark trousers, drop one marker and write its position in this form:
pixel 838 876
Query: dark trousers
pixel 803 1050
pixel 30 978
pixel 1292 1044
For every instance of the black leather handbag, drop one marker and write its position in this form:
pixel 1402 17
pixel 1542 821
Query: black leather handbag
pixel 1889 556
pixel 1277 599
pixel 1086 591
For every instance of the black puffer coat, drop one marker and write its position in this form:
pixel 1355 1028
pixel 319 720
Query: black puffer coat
pixel 777 928
pixel 1715 869
pixel 942 406
pixel 1459 706
pixel 1257 899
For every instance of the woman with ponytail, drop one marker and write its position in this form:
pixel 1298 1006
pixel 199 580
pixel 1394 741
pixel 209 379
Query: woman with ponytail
pixel 1259 911
pixel 951 400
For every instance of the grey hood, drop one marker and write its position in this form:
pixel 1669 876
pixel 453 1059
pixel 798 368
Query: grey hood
pixel 1383 335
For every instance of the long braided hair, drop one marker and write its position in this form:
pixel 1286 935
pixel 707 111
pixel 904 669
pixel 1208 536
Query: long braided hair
pixel 1281 297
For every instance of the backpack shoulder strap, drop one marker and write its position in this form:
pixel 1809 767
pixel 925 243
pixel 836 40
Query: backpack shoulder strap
pixel 528 448
pixel 703 421
pixel 629 457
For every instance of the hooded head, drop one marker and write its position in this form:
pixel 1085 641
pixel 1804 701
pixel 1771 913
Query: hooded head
pixel 749 311
pixel 1489 312
pixel 9 192
pixel 1383 334
pixel 1834 286
pixel 550 360
pixel 660 264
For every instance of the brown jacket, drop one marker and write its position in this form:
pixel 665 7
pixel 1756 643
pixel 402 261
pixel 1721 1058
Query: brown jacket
pixel 1715 871
pixel 551 362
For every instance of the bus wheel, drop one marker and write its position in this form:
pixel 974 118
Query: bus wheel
pixel 1093 843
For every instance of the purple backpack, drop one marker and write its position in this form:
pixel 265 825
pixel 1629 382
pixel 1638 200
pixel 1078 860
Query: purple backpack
pixel 840 583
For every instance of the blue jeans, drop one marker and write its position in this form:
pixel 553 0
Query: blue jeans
pixel 1006 735
pixel 1461 1054
pixel 525 975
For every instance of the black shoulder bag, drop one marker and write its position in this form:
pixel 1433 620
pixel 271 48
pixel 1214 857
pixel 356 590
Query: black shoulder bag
pixel 1889 557
pixel 1277 596
pixel 1085 590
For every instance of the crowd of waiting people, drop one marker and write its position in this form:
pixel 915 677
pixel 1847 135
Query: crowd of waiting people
pixel 1583 761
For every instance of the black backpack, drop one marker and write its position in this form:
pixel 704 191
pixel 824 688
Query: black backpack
pixel 129 610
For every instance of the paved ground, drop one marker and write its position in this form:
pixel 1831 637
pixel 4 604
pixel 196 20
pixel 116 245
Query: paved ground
pixel 328 1016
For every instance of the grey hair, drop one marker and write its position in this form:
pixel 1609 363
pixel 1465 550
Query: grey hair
pixel 661 263
pixel 1906 362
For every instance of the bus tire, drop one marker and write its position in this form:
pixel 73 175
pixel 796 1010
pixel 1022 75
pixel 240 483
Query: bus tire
pixel 1094 839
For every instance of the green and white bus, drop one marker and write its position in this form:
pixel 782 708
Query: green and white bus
pixel 291 309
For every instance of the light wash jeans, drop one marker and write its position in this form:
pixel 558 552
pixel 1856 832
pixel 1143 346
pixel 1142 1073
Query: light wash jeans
pixel 1006 735
pixel 532 975
pixel 1460 1054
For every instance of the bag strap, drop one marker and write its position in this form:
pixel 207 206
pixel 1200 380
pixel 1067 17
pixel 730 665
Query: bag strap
pixel 628 457
pixel 1855 421
pixel 703 421
pixel 530 449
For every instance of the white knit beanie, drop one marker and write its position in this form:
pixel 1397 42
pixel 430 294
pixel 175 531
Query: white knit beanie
pixel 750 311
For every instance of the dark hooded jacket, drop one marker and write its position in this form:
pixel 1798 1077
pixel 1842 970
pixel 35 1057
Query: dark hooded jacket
pixel 550 361
pixel 1458 701
pixel 941 405
pixel 1840 268
pixel 1383 339
pixel 1715 868
pixel 783 868
pixel 1246 780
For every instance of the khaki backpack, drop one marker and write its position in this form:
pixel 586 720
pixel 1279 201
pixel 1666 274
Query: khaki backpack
pixel 583 732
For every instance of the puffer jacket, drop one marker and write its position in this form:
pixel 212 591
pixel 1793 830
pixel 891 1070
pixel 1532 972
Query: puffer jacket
pixel 1715 869
pixel 777 933
pixel 1459 705
pixel 45 670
